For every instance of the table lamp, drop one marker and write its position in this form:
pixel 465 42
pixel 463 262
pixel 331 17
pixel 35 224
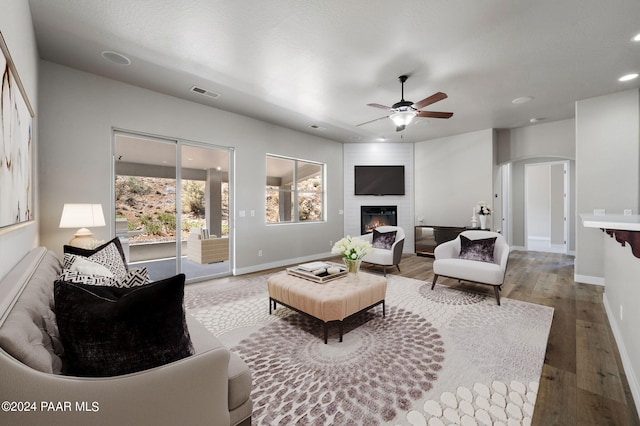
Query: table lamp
pixel 82 216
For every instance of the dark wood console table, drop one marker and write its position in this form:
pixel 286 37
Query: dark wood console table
pixel 428 237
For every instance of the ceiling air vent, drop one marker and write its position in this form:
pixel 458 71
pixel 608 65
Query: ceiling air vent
pixel 204 92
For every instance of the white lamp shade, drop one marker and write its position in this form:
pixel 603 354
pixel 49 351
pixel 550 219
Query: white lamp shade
pixel 82 216
pixel 402 118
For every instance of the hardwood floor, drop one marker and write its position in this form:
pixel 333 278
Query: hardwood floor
pixel 583 381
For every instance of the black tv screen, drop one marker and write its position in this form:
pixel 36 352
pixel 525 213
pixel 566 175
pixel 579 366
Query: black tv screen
pixel 379 180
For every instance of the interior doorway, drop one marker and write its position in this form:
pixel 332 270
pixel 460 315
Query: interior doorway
pixel 546 206
pixel 172 203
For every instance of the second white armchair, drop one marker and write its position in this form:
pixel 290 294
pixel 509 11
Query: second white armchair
pixel 474 265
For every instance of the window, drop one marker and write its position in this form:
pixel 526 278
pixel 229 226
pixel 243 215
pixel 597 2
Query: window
pixel 295 190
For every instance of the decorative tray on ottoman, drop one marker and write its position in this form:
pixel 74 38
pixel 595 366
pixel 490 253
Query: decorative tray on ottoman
pixel 311 271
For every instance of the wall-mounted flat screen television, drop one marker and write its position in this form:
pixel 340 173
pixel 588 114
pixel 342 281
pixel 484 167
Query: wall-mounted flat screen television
pixel 379 180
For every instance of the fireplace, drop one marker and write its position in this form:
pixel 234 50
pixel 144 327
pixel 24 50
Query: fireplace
pixel 374 216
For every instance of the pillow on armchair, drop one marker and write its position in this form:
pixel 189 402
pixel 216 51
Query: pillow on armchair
pixel 480 250
pixel 383 240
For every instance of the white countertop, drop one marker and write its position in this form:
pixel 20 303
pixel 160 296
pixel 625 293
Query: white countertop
pixel 612 221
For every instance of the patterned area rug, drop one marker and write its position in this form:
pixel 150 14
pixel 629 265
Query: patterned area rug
pixel 439 357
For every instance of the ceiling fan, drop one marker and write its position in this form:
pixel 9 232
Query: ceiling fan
pixel 403 112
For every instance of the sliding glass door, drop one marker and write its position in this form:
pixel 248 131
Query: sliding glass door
pixel 172 205
pixel 204 175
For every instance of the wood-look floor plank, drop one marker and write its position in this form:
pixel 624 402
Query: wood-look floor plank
pixel 558 391
pixel 598 411
pixel 596 367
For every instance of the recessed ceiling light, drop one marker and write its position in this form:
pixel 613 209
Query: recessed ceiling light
pixel 628 77
pixel 522 100
pixel 116 58
pixel 535 120
pixel 636 37
pixel 316 127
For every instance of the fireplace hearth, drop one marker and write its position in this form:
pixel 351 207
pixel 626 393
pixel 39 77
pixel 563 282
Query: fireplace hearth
pixel 374 216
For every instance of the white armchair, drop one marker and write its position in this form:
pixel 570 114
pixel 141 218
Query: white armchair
pixel 448 263
pixel 386 257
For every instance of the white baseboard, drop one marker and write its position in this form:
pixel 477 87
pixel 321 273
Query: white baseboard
pixel 587 279
pixel 280 263
pixel 626 362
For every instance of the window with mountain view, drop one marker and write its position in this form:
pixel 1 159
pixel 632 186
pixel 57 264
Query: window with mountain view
pixel 294 191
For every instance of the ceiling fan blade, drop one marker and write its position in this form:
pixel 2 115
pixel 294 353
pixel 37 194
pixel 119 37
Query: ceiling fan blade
pixel 379 106
pixel 371 121
pixel 430 100
pixel 401 128
pixel 435 114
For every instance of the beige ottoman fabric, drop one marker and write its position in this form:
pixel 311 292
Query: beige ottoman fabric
pixel 332 301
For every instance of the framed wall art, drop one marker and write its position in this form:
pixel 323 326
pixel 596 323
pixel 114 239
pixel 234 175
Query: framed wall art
pixel 16 146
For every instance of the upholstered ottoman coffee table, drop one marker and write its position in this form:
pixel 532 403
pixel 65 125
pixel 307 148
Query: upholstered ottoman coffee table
pixel 333 301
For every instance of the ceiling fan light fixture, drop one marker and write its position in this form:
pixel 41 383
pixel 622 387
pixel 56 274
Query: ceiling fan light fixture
pixel 402 118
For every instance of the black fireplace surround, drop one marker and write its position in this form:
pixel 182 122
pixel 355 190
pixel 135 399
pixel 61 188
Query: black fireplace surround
pixel 373 216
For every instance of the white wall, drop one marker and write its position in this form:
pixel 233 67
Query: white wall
pixel 79 111
pixel 622 270
pixel 608 170
pixel 380 154
pixel 555 139
pixel 538 182
pixel 452 174
pixel 17 29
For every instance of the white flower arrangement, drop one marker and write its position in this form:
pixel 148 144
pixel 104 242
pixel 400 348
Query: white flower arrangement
pixel 352 248
pixel 483 208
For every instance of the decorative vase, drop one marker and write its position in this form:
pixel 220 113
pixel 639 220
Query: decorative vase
pixel 353 267
pixel 483 221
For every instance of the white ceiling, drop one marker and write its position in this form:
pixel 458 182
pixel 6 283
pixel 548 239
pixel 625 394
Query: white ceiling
pixel 302 63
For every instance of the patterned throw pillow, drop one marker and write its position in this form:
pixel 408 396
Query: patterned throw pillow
pixel 134 278
pixel 76 277
pixel 109 254
pixel 109 331
pixel 481 249
pixel 383 240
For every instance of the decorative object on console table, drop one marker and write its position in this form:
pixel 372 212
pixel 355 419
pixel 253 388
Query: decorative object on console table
pixel 483 209
pixel 352 251
pixel 474 221
pixel 82 216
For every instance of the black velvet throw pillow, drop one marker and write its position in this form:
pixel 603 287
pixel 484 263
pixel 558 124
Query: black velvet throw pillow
pixel 383 240
pixel 110 331
pixel 481 249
